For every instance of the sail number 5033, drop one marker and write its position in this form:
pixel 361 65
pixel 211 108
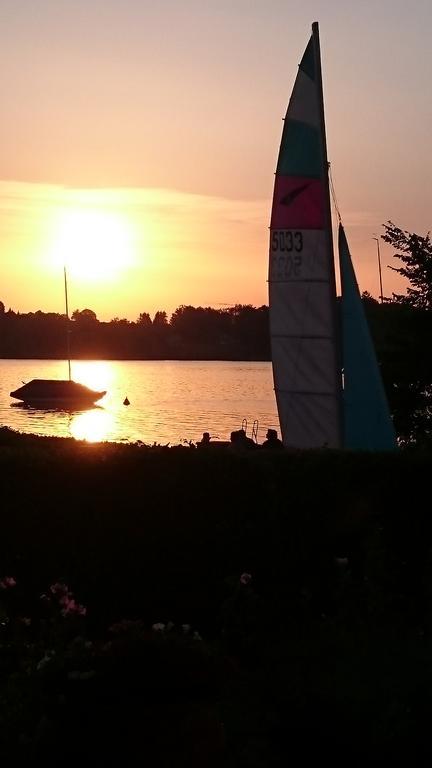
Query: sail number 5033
pixel 286 240
pixel 286 255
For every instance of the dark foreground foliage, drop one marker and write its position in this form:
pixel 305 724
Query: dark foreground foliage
pixel 294 590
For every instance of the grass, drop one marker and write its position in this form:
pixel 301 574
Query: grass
pixel 325 652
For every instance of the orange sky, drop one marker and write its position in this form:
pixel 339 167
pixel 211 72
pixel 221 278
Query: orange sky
pixel 139 143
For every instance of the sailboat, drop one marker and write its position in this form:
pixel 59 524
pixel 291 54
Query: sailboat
pixel 327 381
pixel 58 393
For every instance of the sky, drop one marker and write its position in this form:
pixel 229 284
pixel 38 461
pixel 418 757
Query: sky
pixel 139 142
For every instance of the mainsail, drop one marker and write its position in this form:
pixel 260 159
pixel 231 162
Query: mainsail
pixel 302 292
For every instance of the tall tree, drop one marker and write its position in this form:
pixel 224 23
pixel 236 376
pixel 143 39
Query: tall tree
pixel 144 319
pixel 406 356
pixel 160 319
pixel 415 252
pixel 84 316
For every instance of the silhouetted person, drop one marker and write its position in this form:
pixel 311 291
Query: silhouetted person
pixel 272 442
pixel 240 441
pixel 205 440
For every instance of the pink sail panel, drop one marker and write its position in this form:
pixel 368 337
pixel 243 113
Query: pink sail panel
pixel 298 203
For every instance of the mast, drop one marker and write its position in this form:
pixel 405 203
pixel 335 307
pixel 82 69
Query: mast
pixel 329 234
pixel 379 269
pixel 67 322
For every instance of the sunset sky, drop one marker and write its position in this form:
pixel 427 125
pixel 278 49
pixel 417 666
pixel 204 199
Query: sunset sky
pixel 139 142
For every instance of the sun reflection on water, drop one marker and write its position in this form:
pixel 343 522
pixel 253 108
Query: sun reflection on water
pixel 93 426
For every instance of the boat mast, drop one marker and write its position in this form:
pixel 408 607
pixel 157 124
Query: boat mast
pixel 379 269
pixel 329 234
pixel 67 321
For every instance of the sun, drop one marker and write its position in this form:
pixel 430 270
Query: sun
pixel 93 245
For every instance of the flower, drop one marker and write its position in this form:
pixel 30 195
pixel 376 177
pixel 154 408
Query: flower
pixel 7 581
pixel 245 578
pixel 45 660
pixel 59 589
pixel 158 627
pixel 126 625
pixel 77 675
pixel 72 608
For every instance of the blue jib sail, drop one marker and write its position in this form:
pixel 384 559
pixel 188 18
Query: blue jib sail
pixel 367 422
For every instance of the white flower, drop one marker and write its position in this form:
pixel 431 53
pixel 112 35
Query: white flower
pixel 76 675
pixel 245 578
pixel 158 627
pixel 7 581
pixel 45 660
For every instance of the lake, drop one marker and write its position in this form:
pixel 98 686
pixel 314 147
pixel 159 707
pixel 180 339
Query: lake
pixel 170 401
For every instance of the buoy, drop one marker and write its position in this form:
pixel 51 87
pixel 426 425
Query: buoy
pixel 126 401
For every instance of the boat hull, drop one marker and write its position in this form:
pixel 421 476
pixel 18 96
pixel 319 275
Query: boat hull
pixel 48 393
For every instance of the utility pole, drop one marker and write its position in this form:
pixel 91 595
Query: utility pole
pixel 67 321
pixel 379 268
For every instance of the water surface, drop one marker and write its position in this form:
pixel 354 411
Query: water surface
pixel 170 401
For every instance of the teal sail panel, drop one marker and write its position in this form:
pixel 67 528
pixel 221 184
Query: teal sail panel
pixel 367 420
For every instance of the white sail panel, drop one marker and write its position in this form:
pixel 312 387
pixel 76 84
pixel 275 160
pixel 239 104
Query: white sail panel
pixel 304 366
pixel 300 310
pixel 302 333
pixel 308 421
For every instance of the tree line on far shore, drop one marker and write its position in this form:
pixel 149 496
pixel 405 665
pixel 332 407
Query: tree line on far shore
pixel 401 328
pixel 198 333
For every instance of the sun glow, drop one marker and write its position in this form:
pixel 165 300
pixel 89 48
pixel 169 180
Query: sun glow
pixel 93 245
pixel 96 374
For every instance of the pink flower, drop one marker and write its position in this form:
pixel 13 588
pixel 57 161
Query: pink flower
pixel 245 578
pixel 72 608
pixel 65 600
pixel 7 581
